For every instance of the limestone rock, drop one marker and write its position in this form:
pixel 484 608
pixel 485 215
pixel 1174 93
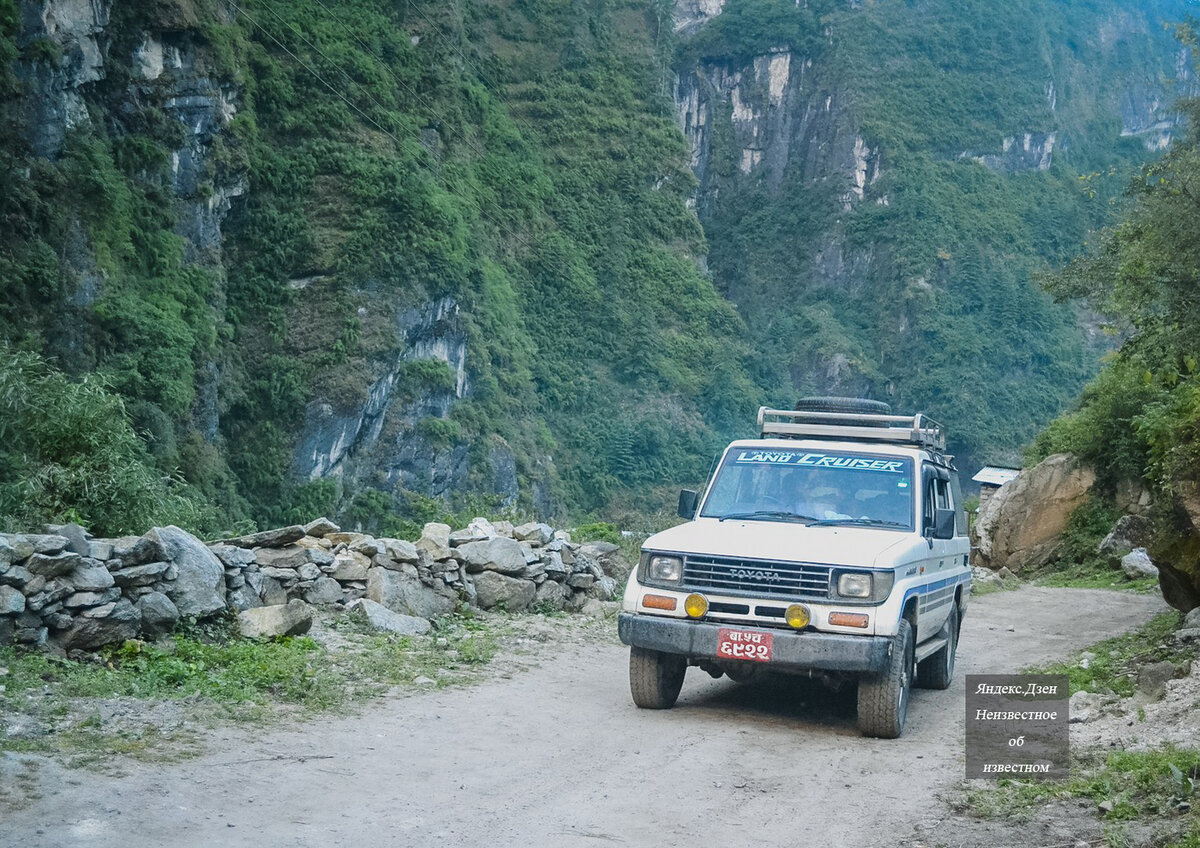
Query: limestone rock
pixel 48 544
pixel 1137 564
pixel 1152 679
pixel 503 528
pixel 199 587
pixel 91 599
pixel 90 576
pixel 381 618
pixel 500 554
pixel 88 632
pixel 15 548
pixel 324 591
pixel 1021 524
pixel 320 527
pixel 53 565
pixel 137 550
pixel 435 539
pixel 401 592
pixel 291 619
pixel 346 538
pixel 551 594
pixel 1192 619
pixel 1130 531
pixel 494 589
pixel 244 597
pixel 139 575
pixel 581 580
pixel 99 549
pixel 399 550
pixel 272 592
pixel 159 613
pixel 536 533
pixel 11 600
pixel 289 556
pixel 367 546
pixel 470 534
pixel 231 556
pixel 1083 706
pixel 350 565
pixel 276 538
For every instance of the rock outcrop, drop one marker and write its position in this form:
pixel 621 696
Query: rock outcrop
pixel 1021 526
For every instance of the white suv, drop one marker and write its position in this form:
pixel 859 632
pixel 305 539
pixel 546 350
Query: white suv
pixel 834 545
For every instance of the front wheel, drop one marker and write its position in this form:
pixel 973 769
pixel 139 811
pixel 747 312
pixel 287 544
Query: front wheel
pixel 883 697
pixel 937 670
pixel 655 678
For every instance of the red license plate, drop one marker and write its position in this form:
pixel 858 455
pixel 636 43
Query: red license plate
pixel 744 645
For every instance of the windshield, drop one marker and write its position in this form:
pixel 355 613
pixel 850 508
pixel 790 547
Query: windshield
pixel 813 487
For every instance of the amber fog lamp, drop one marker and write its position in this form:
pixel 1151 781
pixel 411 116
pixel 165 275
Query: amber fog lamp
pixel 695 605
pixel 797 616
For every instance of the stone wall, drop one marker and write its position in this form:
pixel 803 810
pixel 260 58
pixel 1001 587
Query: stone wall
pixel 65 590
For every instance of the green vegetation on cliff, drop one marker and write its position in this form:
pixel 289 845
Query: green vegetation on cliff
pixel 975 122
pixel 1139 420
pixel 519 160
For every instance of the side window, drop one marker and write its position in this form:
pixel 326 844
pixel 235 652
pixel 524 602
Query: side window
pixel 930 500
pixel 942 494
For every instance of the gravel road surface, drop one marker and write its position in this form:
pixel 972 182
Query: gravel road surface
pixel 558 756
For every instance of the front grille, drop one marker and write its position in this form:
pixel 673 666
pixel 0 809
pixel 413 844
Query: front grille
pixel 756 577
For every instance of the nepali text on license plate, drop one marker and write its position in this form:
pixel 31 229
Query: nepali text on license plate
pixel 743 645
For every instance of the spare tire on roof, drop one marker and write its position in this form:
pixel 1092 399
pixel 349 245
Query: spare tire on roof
pixel 862 406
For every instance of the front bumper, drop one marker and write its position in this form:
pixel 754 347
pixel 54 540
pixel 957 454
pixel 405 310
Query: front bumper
pixel 790 650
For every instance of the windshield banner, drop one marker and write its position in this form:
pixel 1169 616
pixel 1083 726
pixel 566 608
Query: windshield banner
pixel 820 460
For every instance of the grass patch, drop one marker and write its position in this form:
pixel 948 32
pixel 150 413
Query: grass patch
pixel 57 706
pixel 1113 668
pixel 1087 578
pixel 1133 786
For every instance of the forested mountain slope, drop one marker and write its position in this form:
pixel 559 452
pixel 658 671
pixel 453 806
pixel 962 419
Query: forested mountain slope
pixel 341 257
pixel 879 182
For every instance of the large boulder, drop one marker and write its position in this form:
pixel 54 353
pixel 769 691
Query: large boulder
pixel 1130 531
pixel 1021 525
pixel 403 592
pixel 380 617
pixel 500 554
pixel 199 586
pixel 494 590
pixel 291 619
pixel 1137 563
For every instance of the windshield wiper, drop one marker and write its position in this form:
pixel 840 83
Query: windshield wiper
pixel 771 513
pixel 869 522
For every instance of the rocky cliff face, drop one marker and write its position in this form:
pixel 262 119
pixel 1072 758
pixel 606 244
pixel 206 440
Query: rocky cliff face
pixel 838 185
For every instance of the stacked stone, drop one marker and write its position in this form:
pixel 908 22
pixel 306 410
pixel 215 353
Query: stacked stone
pixel 66 589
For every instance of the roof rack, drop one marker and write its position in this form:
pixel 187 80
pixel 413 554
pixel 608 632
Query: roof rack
pixel 916 429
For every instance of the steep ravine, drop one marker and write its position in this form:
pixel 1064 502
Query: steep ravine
pixel 877 199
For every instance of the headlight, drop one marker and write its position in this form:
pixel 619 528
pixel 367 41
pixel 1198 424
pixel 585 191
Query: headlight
pixel 664 569
pixel 854 585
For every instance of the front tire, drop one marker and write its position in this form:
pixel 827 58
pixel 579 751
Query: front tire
pixel 883 697
pixel 655 678
pixel 937 670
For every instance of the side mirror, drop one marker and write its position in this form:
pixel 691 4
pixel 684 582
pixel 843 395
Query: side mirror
pixel 688 500
pixel 944 521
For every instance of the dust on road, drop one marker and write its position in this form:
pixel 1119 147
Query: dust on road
pixel 559 756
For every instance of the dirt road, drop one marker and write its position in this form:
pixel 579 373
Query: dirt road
pixel 558 756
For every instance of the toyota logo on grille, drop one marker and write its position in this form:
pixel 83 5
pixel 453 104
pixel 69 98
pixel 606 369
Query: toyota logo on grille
pixel 757 575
